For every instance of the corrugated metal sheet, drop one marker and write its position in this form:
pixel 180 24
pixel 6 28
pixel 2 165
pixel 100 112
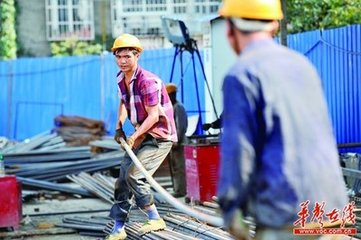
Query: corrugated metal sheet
pixel 35 90
pixel 336 53
pixel 5 83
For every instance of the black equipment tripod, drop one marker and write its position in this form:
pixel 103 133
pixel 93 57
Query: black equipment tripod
pixel 181 44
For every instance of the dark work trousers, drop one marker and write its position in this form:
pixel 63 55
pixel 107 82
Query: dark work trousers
pixel 131 182
pixel 177 169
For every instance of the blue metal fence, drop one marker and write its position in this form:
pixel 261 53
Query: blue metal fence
pixel 33 91
pixel 336 53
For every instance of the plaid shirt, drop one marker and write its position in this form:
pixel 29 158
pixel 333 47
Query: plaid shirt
pixel 146 89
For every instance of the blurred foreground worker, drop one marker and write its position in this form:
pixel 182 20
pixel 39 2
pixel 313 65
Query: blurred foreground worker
pixel 176 160
pixel 278 150
pixel 144 100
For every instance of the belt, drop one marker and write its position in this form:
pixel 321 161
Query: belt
pixel 149 137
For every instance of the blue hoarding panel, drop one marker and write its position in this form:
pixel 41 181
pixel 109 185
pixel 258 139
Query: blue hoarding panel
pixel 42 88
pixel 35 90
pixel 336 53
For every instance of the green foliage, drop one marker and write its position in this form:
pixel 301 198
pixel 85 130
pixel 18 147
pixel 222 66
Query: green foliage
pixel 107 44
pixel 7 30
pixel 305 15
pixel 73 47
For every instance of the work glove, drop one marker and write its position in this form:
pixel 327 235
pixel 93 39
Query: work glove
pixel 206 126
pixel 119 133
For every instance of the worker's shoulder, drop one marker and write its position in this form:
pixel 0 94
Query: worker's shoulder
pixel 179 105
pixel 268 60
pixel 272 55
pixel 145 75
pixel 264 53
pixel 292 54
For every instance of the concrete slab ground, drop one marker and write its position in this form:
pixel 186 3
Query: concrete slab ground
pixel 41 216
pixel 48 206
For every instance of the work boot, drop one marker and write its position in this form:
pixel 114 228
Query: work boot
pixel 120 234
pixel 152 225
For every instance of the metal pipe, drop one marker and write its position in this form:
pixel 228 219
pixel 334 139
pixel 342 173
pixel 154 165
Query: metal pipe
pixel 213 220
pixel 349 145
pixel 349 172
pixel 64 213
pixel 179 235
pixel 150 235
pixel 79 226
pixel 53 186
pixel 199 228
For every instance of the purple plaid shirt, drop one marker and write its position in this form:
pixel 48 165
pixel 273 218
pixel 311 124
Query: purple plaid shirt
pixel 146 89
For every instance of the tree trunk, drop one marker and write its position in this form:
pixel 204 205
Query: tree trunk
pixel 283 26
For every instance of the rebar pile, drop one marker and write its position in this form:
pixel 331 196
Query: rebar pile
pixel 79 131
pixel 42 142
pixel 55 165
pixel 103 186
pixel 179 226
pixel 41 162
pixel 98 184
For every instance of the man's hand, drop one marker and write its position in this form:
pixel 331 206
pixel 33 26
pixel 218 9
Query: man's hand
pixel 130 142
pixel 119 133
pixel 206 126
pixel 238 228
pixel 135 143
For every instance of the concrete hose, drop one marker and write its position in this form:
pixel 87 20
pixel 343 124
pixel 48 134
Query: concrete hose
pixel 212 220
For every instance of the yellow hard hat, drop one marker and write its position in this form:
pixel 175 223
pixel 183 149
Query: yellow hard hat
pixel 252 9
pixel 171 88
pixel 127 40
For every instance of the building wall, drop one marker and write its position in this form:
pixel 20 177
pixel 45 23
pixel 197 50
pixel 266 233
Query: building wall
pixel 31 31
pixel 31 27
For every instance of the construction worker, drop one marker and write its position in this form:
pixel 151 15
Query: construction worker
pixel 176 160
pixel 278 152
pixel 144 100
